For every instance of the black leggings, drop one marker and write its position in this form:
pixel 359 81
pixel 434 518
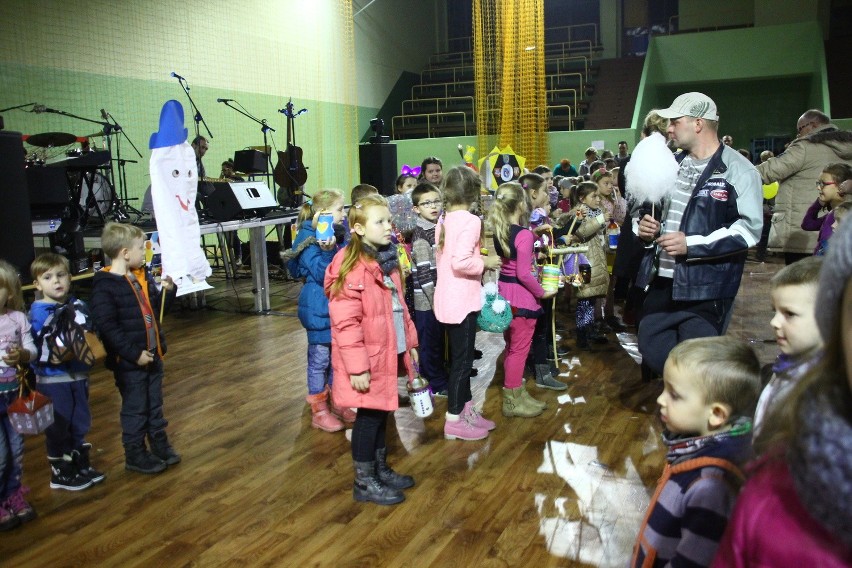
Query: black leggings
pixel 368 434
pixel 462 339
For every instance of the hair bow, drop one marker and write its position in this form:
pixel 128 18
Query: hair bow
pixel 409 171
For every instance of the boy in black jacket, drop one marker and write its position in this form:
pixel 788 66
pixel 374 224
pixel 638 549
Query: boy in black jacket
pixel 125 304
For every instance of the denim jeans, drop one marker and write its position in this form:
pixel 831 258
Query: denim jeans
pixel 11 450
pixel 141 402
pixel 319 367
pixel 71 416
pixel 462 339
pixel 430 335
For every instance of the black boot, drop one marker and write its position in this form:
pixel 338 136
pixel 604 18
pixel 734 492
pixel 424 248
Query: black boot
pixel 80 456
pixel 583 339
pixel 64 475
pixel 138 458
pixel 368 486
pixel 388 476
pixel 161 448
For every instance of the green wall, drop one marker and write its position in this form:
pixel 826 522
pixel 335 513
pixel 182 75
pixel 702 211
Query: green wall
pixel 762 79
pixel 81 57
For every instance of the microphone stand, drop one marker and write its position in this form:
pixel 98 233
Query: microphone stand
pixel 2 125
pixel 264 127
pixel 198 118
pixel 121 204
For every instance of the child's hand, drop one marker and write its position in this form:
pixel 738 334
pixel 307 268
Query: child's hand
pixel 541 229
pixel 167 283
pixel 15 355
pixel 328 244
pixel 415 356
pixel 145 358
pixel 406 271
pixel 493 262
pixel 360 383
pixel 549 294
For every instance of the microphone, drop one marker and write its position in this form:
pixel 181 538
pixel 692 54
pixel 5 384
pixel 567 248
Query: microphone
pixel 177 76
pixel 104 115
pixel 224 100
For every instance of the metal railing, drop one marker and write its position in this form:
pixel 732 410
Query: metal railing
pixel 547 109
pixel 559 76
pixel 430 116
pixel 456 71
pixel 437 101
pixel 572 29
pixel 446 87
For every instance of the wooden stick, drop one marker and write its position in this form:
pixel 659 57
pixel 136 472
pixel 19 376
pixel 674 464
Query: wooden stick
pixel 162 303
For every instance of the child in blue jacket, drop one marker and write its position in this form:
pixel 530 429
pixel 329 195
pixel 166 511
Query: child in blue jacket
pixel 308 259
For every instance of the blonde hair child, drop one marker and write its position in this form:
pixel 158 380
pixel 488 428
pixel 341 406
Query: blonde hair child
pixel 457 297
pixel 518 284
pixel 16 347
pixel 308 260
pixel 366 302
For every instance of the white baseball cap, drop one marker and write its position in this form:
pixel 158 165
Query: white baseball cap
pixel 693 104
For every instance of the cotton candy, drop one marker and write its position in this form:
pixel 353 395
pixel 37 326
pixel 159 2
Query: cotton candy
pixel 651 172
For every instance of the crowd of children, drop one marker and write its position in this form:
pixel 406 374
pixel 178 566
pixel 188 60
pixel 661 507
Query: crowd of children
pixel 717 413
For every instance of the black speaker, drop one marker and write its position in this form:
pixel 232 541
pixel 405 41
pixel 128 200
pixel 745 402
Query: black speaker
pixel 378 166
pixel 49 192
pixel 250 161
pixel 238 200
pixel 16 238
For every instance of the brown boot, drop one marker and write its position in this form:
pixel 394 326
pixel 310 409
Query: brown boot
pixel 322 418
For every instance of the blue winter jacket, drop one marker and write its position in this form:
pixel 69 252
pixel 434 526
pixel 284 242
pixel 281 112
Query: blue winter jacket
pixel 313 305
pixel 723 218
pixel 39 312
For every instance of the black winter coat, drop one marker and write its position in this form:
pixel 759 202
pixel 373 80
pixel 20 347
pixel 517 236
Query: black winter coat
pixel 119 320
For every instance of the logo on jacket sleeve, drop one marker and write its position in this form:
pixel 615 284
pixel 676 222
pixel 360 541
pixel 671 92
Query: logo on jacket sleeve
pixel 719 194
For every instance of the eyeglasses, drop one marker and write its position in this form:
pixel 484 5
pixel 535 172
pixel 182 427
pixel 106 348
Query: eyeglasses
pixel 821 184
pixel 802 127
pixel 429 204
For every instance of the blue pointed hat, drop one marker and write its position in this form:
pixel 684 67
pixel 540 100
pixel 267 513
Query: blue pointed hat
pixel 171 131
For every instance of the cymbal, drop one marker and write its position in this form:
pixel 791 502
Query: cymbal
pixel 47 139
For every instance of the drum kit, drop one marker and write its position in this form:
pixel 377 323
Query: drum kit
pixel 90 191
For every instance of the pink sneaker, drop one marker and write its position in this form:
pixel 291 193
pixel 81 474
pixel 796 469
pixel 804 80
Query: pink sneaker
pixel 463 429
pixel 478 420
pixel 18 505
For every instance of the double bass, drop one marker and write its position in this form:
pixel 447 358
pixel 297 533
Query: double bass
pixel 290 173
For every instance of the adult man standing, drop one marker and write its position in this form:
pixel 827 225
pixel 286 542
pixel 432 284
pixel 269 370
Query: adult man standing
pixel 728 140
pixel 591 155
pixel 818 144
pixel 695 258
pixel 622 155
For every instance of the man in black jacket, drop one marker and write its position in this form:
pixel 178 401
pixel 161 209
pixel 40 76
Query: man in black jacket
pixel 695 257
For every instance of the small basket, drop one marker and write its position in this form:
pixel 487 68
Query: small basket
pixel 30 414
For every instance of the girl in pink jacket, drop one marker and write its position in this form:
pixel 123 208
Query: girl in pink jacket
pixel 518 284
pixel 457 300
pixel 373 341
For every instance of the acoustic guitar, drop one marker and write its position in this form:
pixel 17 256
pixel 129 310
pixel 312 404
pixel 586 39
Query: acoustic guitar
pixel 290 173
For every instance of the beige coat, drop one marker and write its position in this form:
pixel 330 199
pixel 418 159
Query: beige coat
pixel 591 231
pixel 797 170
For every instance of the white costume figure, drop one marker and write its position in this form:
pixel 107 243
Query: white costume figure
pixel 174 183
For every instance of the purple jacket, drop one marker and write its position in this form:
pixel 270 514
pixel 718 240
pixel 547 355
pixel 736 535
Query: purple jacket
pixel 813 222
pixel 771 527
pixel 518 282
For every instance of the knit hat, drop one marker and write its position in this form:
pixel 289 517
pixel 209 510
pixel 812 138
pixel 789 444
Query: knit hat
pixel 835 273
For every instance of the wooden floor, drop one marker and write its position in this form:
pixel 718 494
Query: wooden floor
pixel 259 487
